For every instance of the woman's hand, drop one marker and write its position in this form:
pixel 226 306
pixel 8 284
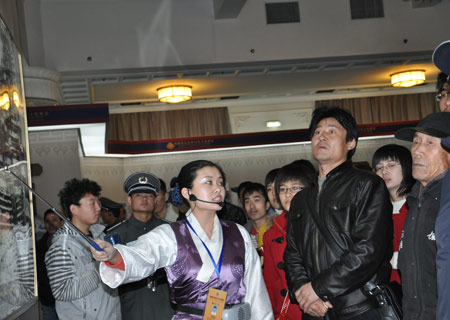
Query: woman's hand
pixel 108 254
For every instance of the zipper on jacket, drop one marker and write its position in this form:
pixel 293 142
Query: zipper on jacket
pixel 317 242
pixel 317 235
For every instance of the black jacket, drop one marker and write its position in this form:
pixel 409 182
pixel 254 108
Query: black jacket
pixel 355 206
pixel 417 254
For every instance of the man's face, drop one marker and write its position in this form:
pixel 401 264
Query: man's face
pixel 108 217
pixel 429 158
pixel 256 205
pixel 272 196
pixel 160 203
pixel 142 202
pixel 88 210
pixel 52 222
pixel 328 142
pixel 444 103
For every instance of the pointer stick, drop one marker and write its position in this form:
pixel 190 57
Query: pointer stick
pixel 69 223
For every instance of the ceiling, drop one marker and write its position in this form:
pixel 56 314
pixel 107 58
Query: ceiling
pixel 124 50
pixel 221 84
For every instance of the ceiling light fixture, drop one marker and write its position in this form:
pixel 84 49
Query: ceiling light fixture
pixel 273 124
pixel 175 94
pixel 408 78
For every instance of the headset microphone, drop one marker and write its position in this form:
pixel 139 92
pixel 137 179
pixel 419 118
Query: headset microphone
pixel 192 197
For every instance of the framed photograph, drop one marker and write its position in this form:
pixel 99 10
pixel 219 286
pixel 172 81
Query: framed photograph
pixel 17 267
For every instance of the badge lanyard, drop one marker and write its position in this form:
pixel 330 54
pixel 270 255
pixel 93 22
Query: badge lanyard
pixel 216 267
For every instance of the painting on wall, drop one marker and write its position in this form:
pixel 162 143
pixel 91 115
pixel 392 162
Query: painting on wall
pixel 17 276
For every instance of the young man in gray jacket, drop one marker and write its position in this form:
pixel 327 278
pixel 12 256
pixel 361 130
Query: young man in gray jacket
pixel 73 273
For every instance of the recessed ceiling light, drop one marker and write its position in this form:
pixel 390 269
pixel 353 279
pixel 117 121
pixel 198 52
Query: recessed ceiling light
pixel 273 124
pixel 175 94
pixel 408 78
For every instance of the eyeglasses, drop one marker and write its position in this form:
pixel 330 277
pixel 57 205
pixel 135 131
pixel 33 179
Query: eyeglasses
pixel 442 96
pixel 387 167
pixel 295 189
pixel 91 204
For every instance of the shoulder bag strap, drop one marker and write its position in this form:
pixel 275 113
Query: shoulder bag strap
pixel 332 244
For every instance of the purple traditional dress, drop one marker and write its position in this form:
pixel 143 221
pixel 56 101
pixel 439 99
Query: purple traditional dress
pixel 186 290
pixel 190 268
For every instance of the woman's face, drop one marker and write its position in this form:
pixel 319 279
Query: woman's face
pixel 207 186
pixel 287 191
pixel 391 172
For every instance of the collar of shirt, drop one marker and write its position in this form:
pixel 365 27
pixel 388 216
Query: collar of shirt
pixel 214 245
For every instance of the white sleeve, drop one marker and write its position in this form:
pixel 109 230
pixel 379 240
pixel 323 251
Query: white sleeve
pixel 153 250
pixel 256 291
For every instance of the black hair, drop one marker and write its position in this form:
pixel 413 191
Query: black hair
pixel 255 187
pixel 74 190
pixel 188 173
pixel 402 155
pixel 242 186
pixel 363 165
pixel 270 176
pixel 50 211
pixel 304 162
pixel 342 116
pixel 162 186
pixel 442 78
pixel 295 171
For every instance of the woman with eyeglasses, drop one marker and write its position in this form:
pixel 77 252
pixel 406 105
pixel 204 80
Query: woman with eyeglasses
pixel 209 263
pixel 393 163
pixel 290 180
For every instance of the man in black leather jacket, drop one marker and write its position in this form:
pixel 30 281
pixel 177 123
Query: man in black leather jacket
pixel 354 206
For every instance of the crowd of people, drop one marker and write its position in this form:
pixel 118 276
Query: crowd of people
pixel 308 244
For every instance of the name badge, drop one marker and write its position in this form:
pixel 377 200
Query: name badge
pixel 215 304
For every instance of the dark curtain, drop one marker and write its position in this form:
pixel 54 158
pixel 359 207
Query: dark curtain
pixel 168 124
pixel 403 107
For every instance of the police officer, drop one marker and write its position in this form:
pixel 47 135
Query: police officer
pixel 147 298
pixel 110 213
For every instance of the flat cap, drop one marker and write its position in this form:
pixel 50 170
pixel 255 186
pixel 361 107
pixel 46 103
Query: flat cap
pixel 142 182
pixel 441 57
pixel 109 205
pixel 435 125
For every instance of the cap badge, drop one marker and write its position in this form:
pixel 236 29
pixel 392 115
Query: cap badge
pixel 143 180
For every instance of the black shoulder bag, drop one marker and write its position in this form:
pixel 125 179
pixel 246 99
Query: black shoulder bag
pixel 385 299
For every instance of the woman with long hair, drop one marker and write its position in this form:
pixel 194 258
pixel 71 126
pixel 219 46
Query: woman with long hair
pixel 201 255
pixel 393 163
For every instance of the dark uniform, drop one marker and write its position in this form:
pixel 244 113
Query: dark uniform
pixel 148 298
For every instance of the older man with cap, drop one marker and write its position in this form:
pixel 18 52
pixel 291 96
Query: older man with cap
pixel 441 58
pixel 147 298
pixel 417 254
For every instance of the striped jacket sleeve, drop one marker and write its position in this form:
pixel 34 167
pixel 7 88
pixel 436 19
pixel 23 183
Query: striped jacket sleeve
pixel 66 283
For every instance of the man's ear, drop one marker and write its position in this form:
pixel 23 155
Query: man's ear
pixel 129 200
pixel 351 145
pixel 267 205
pixel 185 193
pixel 166 197
pixel 73 210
